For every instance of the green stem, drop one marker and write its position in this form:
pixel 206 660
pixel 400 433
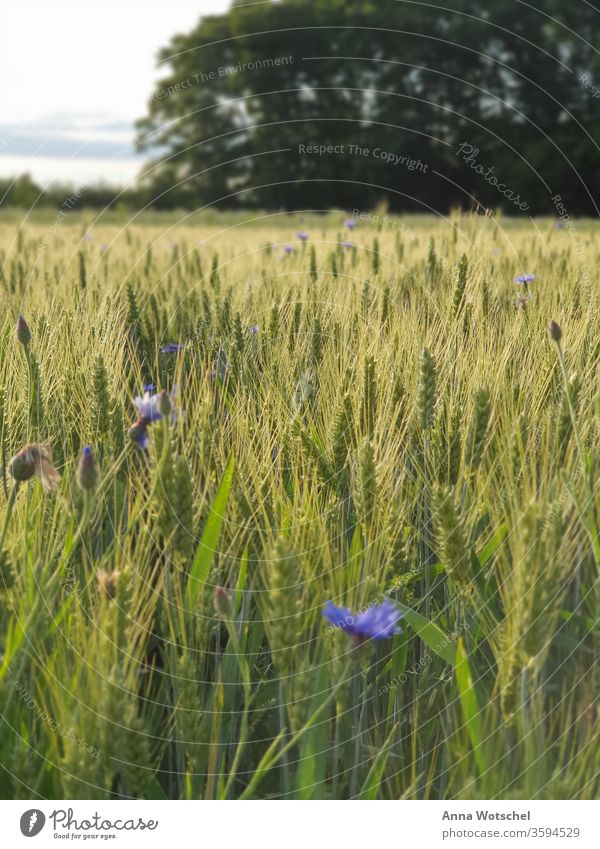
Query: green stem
pixel 336 756
pixel 360 715
pixel 10 504
pixel 271 757
pixel 425 548
pixel 285 766
pixel 83 523
pixel 563 366
pixel 32 391
pixel 588 515
pixel 246 682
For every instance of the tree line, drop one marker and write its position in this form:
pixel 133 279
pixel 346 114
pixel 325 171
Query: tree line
pixel 492 103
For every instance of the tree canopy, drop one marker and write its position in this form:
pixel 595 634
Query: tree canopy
pixel 351 103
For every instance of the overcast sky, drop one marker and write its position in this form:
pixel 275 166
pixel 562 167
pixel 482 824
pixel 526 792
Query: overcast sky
pixel 75 75
pixel 86 56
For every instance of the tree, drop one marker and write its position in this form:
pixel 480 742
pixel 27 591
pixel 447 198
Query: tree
pixel 373 86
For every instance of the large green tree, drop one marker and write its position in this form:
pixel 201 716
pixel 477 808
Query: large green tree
pixel 245 91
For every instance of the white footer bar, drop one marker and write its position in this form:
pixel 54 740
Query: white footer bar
pixel 301 825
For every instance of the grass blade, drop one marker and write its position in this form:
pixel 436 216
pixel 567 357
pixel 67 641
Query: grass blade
pixel 470 705
pixel 210 538
pixel 430 633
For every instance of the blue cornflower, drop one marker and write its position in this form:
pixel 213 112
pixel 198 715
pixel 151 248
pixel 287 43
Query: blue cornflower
pixel 289 249
pixel 149 406
pixel 148 387
pixel 525 278
pixel 253 329
pixel 379 622
pixel 172 348
pixel 350 223
pixel 302 235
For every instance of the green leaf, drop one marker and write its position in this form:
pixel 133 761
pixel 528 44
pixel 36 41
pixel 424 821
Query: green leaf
pixel 373 779
pixel 470 705
pixel 14 638
pixel 399 655
pixel 394 669
pixel 430 633
pixel 154 789
pixel 313 748
pixel 210 538
pixel 357 547
pixel 316 439
pixel 493 545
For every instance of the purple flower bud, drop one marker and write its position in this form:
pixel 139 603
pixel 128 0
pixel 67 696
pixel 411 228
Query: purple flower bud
pixel 87 473
pixel 23 332
pixel 554 331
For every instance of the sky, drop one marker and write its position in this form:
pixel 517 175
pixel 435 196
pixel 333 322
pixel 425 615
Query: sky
pixel 75 75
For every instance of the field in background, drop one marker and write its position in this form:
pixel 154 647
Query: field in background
pixel 375 412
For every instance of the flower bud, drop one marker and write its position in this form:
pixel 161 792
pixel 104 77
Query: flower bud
pixel 23 332
pixel 87 473
pixel 22 467
pixel 554 331
pixel 223 601
pixel 164 404
pixel 138 433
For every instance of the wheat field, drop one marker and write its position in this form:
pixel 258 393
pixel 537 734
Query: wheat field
pixel 369 414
